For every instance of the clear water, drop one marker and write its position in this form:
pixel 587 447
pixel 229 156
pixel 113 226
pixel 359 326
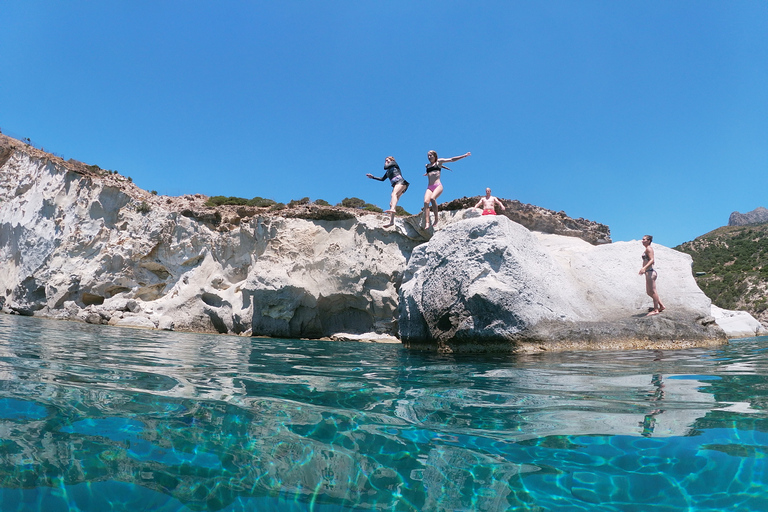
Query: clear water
pixel 106 419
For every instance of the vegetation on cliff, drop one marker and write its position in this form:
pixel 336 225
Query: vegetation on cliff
pixel 731 267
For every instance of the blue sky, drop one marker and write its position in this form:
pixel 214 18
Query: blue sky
pixel 651 117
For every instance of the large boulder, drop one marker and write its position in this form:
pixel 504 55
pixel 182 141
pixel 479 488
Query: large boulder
pixel 489 284
pixel 738 324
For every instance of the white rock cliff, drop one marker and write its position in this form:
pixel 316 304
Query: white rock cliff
pixel 80 243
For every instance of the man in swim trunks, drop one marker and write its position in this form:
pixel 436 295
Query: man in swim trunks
pixel 489 203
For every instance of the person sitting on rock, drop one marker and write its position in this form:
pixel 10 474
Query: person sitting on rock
pixel 650 276
pixel 489 203
pixel 399 185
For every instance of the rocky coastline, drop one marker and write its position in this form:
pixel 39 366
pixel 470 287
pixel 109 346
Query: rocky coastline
pixel 83 244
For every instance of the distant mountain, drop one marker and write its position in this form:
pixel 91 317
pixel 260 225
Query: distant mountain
pixel 731 266
pixel 757 216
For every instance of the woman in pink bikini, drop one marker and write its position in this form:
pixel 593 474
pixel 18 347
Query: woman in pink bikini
pixel 435 188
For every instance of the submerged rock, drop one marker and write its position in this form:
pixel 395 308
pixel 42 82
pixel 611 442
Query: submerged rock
pixel 489 284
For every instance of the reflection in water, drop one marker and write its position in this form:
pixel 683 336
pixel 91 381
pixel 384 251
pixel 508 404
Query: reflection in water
pixel 95 418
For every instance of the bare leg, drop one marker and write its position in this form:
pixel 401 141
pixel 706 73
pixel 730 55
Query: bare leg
pixel 397 191
pixel 425 216
pixel 650 290
pixel 434 209
pixel 425 209
pixel 430 196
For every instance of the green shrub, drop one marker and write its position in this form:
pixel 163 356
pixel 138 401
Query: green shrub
pixel 372 208
pixel 277 206
pixel 297 202
pixel 400 211
pixel 223 200
pixel 153 192
pixel 322 202
pixel 352 202
pixel 261 202
pixel 143 208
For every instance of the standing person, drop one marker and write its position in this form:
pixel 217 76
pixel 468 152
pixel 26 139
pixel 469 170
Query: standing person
pixel 650 276
pixel 489 203
pixel 435 188
pixel 399 185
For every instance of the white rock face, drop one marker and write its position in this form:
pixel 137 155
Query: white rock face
pixel 738 324
pixel 488 283
pixel 89 246
pixel 81 248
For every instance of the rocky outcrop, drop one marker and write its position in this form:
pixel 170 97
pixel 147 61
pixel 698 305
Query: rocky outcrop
pixel 738 324
pixel 488 284
pixel 757 216
pixel 536 218
pixel 81 243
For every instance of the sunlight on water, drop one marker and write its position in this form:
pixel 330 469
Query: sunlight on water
pixel 105 419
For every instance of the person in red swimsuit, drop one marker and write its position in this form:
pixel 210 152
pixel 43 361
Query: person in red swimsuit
pixel 489 203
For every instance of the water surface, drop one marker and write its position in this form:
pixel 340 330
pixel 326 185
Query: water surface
pixel 98 418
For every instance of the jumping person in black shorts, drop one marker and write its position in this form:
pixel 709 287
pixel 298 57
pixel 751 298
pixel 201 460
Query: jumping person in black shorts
pixel 399 185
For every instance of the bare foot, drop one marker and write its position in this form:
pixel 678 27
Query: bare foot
pixel 654 312
pixel 661 308
pixel 389 211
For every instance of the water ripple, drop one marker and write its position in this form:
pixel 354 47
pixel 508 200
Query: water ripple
pixel 96 418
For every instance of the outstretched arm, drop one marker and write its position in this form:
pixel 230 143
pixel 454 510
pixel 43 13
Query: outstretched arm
pixel 496 201
pixel 375 178
pixel 479 203
pixel 444 160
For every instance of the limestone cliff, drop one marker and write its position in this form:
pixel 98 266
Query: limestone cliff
pixel 81 243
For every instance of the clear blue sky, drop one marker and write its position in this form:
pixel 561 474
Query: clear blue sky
pixel 651 117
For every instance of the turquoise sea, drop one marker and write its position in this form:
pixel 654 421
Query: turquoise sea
pixel 105 419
